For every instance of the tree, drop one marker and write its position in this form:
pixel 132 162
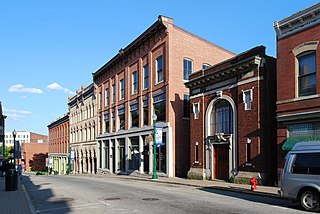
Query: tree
pixel 38 162
pixel 6 152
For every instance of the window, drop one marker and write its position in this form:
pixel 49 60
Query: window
pixel 304 130
pixel 106 97
pixel 113 93
pixel 145 76
pixel 247 99
pixel 145 112
pixel 134 108
pixel 100 102
pixel 205 66
pixel 308 163
pixel 159 65
pixel 187 68
pixel 159 103
pixel 121 114
pixel 121 89
pixel 113 121
pixel 248 150
pixel 196 109
pixel 222 117
pixel 307 74
pixel 186 106
pixel 197 153
pixel 106 121
pixel 134 82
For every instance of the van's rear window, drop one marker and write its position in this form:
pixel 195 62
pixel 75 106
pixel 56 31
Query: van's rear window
pixel 307 163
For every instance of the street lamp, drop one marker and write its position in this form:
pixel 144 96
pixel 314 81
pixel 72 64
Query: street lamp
pixel 14 133
pixel 154 175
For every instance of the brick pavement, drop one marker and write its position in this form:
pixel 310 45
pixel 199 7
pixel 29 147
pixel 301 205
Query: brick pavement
pixel 14 202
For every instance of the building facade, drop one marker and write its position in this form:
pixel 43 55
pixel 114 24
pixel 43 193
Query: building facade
pixel 298 74
pixel 58 157
pixel 83 116
pixel 28 150
pixel 233 118
pixel 147 78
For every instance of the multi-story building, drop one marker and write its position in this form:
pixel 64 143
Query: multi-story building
pixel 298 77
pixel 144 79
pixel 58 157
pixel 21 137
pixel 83 116
pixel 233 118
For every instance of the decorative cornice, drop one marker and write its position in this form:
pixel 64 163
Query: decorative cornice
pixel 298 21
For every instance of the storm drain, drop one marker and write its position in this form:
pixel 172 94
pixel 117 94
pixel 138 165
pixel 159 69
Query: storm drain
pixel 150 199
pixel 112 199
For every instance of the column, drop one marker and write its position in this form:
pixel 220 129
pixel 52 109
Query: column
pixel 141 159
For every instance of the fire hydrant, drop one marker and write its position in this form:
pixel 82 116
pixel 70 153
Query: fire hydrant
pixel 253 183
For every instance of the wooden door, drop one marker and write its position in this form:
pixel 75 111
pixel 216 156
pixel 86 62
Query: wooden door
pixel 221 158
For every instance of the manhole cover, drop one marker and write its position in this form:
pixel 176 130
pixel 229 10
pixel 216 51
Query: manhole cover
pixel 112 199
pixel 60 200
pixel 150 199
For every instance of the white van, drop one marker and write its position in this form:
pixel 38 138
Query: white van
pixel 300 176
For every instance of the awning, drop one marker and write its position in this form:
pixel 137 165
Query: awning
pixel 291 141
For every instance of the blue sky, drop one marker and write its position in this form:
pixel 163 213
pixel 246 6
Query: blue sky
pixel 48 49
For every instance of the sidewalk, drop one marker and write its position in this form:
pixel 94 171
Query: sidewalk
pixel 14 201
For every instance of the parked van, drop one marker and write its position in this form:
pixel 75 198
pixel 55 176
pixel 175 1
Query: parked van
pixel 300 176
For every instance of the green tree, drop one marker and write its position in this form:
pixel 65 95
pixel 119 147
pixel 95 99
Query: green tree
pixel 6 152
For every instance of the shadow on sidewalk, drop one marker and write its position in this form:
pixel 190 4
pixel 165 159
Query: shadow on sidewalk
pixel 43 199
pixel 240 193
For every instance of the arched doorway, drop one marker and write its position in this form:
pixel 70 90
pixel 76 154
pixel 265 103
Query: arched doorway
pixel 221 137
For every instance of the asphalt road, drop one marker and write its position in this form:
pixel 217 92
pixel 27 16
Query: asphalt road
pixel 111 194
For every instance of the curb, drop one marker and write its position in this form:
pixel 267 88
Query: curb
pixel 30 204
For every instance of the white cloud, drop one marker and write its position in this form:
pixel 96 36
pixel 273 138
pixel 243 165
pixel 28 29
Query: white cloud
pixel 57 87
pixel 19 88
pixel 14 114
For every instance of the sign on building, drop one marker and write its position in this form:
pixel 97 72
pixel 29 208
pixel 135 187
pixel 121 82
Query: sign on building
pixel 159 136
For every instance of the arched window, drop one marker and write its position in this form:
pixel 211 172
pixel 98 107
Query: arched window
pixel 222 117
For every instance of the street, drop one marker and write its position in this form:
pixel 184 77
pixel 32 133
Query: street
pixel 111 194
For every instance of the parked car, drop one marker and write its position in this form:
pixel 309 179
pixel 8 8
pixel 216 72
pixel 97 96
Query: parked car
pixel 300 176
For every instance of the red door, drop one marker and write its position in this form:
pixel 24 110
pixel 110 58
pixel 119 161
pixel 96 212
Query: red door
pixel 221 160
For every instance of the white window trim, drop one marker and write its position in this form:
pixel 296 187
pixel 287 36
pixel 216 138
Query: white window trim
pixel 196 114
pixel 244 98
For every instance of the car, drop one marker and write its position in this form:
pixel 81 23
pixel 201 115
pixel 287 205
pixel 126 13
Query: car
pixel 300 176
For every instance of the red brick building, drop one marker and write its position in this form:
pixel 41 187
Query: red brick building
pixel 233 118
pixel 146 78
pixel 298 77
pixel 59 145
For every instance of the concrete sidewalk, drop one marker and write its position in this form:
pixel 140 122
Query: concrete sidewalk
pixel 17 202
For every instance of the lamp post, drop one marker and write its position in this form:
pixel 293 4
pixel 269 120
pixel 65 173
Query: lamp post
pixel 14 133
pixel 154 174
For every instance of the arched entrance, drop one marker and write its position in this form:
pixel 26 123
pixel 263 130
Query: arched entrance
pixel 220 138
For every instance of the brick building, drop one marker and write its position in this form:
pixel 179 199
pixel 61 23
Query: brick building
pixel 83 116
pixel 298 74
pixel 233 118
pixel 28 150
pixel 144 78
pixel 59 145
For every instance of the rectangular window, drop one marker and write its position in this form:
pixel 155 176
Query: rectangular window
pixel 134 108
pixel 197 153
pixel 145 112
pixel 196 110
pixel 122 89
pixel 100 100
pixel 121 114
pixel 113 121
pixel 186 106
pixel 145 76
pixel 307 74
pixel 159 103
pixel 134 82
pixel 114 93
pixel 159 65
pixel 247 99
pixel 187 68
pixel 248 150
pixel 107 97
pixel 106 120
pixel 304 130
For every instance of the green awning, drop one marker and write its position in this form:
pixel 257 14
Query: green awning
pixel 291 141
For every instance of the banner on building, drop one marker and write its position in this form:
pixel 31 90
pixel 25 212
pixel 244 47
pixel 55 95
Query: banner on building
pixel 159 136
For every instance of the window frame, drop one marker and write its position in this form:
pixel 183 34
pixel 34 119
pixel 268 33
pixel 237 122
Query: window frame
pixel 121 89
pixel 187 69
pixel 159 70
pixel 106 91
pixel 305 76
pixel 134 80
pixel 146 77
